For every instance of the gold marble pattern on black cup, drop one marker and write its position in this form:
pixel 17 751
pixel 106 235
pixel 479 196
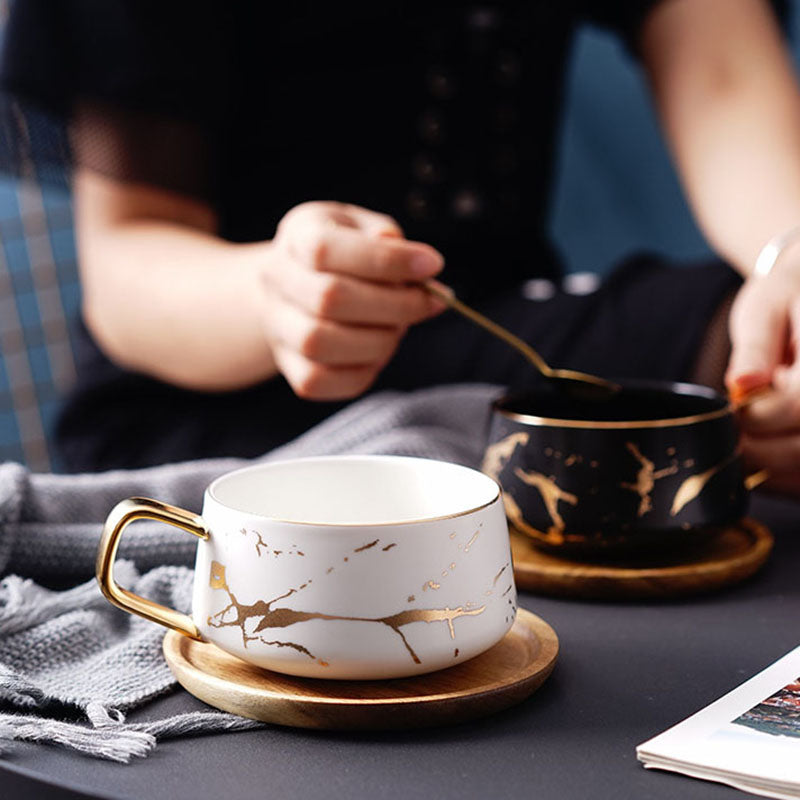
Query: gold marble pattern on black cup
pixel 653 465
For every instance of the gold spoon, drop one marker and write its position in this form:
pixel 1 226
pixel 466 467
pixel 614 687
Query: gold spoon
pixel 596 387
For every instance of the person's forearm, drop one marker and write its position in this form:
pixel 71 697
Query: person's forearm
pixel 730 107
pixel 178 304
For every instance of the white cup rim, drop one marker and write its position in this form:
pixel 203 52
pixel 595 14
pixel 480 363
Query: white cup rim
pixel 212 490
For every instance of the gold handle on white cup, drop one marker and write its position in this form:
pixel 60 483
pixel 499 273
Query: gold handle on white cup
pixel 121 516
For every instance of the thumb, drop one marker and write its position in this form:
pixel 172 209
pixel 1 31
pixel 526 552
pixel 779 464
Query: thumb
pixel 758 329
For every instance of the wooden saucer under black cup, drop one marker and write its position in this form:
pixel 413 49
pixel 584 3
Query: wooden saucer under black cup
pixel 641 495
pixel 721 557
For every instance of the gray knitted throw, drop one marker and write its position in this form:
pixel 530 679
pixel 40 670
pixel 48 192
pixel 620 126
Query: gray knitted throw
pixel 70 663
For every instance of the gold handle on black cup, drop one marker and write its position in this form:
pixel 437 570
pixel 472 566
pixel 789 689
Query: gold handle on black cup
pixel 121 516
pixel 755 479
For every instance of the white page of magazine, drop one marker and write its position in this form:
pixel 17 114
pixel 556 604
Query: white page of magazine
pixel 759 753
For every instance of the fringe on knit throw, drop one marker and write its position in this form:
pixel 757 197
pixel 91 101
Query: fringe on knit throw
pixel 71 665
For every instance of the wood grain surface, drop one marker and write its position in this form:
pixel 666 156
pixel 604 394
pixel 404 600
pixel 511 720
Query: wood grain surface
pixel 501 677
pixel 727 556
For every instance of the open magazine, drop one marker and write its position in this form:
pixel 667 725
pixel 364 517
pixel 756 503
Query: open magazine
pixel 749 739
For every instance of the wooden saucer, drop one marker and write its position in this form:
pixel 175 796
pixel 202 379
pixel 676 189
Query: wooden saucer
pixel 727 556
pixel 507 674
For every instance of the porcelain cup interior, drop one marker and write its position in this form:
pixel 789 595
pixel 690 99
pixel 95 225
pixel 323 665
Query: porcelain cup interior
pixel 354 567
pixel 655 465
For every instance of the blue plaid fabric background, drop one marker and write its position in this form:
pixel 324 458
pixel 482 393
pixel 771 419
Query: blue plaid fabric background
pixel 39 294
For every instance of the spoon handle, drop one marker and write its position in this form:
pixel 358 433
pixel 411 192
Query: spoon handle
pixel 447 296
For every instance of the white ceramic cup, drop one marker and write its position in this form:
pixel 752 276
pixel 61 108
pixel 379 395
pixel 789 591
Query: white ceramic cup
pixel 352 567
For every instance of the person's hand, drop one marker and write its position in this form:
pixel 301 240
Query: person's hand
pixel 765 330
pixel 338 294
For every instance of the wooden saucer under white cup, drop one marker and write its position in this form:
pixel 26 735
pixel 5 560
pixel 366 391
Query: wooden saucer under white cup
pixel 503 676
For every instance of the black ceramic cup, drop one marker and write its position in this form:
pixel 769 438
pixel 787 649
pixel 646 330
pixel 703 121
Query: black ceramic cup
pixel 654 465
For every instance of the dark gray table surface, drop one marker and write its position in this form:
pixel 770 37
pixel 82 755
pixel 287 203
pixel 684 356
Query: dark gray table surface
pixel 625 673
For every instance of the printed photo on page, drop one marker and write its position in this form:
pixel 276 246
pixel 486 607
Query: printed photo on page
pixel 750 738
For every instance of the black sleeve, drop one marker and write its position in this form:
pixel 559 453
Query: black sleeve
pixel 157 56
pixel 128 87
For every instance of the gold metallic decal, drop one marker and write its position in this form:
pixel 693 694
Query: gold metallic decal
pixel 514 513
pixel 389 546
pixel 216 579
pixel 269 617
pixel 551 494
pixel 646 478
pixel 260 543
pixel 497 577
pixel 366 546
pixel 695 484
pixel 433 584
pixel 498 454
